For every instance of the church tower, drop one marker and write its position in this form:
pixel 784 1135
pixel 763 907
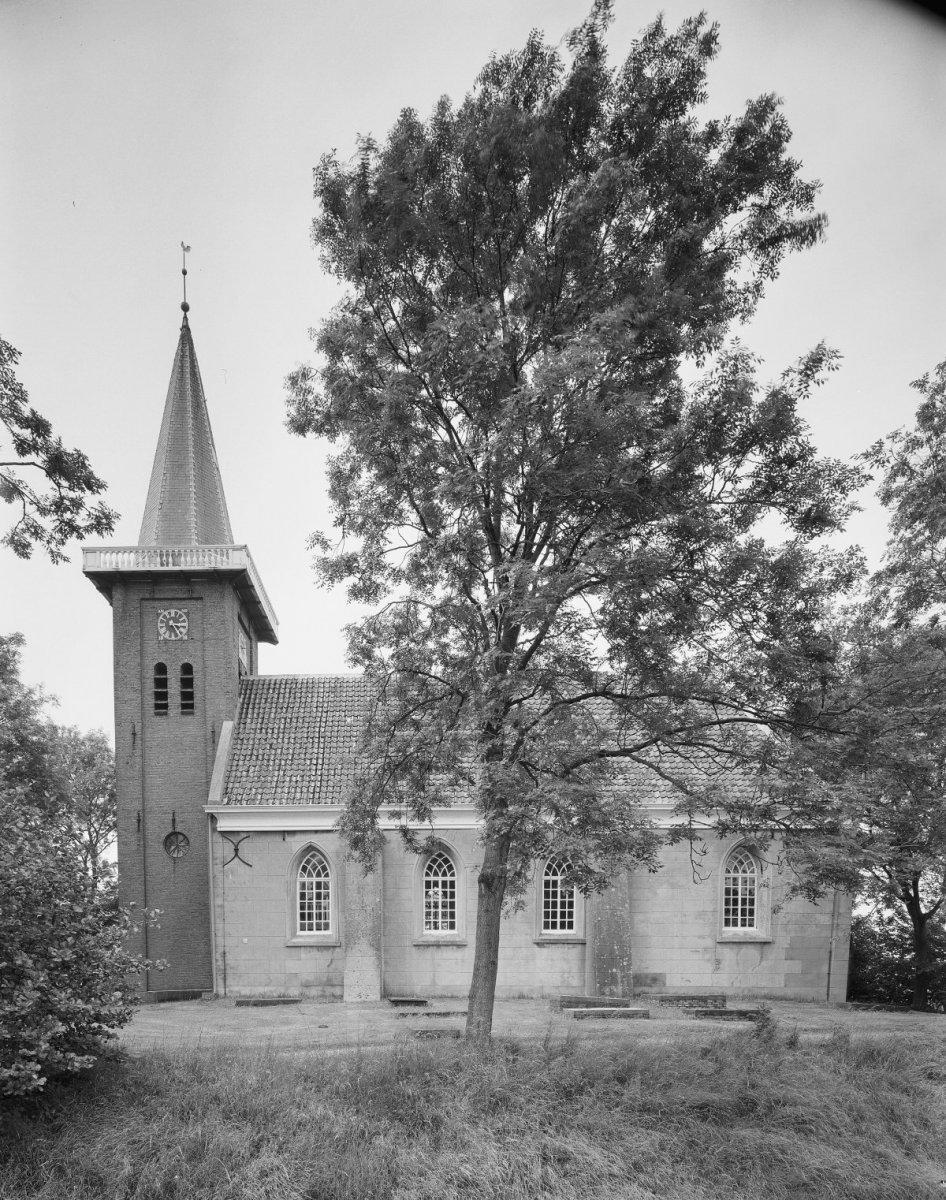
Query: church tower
pixel 189 611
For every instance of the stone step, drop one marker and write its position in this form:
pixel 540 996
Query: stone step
pixel 684 999
pixel 727 1014
pixel 592 1002
pixel 405 1001
pixel 434 1012
pixel 171 997
pixel 268 1001
pixel 621 1014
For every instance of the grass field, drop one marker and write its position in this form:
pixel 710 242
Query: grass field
pixel 747 1114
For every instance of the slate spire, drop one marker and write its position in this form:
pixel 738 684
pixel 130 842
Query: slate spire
pixel 185 505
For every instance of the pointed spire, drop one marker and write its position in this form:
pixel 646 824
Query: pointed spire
pixel 185 505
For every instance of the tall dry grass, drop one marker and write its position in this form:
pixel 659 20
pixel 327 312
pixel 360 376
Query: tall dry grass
pixel 751 1115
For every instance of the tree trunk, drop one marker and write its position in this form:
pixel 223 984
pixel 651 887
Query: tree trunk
pixel 922 955
pixel 922 965
pixel 491 889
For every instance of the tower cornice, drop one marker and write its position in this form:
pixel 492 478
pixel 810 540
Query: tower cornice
pixel 105 564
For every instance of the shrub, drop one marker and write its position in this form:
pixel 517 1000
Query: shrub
pixel 65 980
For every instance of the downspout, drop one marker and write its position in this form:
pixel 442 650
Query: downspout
pixel 216 797
pixel 213 910
pixel 834 921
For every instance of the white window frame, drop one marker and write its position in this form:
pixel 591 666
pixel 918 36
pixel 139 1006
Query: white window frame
pixel 760 929
pixel 439 937
pixel 320 937
pixel 553 936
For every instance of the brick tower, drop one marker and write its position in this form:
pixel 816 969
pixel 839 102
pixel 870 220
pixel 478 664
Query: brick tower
pixel 188 613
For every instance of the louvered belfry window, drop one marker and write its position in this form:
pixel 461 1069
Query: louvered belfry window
pixel 315 894
pixel 740 891
pixel 187 688
pixel 161 689
pixel 558 898
pixel 440 894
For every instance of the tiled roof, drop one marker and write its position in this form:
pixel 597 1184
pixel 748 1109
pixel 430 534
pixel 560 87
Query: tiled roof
pixel 295 739
pixel 656 788
pixel 185 505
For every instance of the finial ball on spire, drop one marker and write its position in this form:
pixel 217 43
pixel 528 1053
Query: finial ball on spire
pixel 185 307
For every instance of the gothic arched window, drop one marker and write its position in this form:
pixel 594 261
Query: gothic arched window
pixel 558 898
pixel 440 894
pixel 161 689
pixel 740 890
pixel 314 894
pixel 187 688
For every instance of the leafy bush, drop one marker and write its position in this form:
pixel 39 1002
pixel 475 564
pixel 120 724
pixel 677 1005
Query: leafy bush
pixel 881 967
pixel 64 972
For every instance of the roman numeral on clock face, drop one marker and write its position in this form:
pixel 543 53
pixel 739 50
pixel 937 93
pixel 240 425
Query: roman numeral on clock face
pixel 172 624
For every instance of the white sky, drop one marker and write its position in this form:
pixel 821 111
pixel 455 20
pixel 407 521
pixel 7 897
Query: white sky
pixel 131 126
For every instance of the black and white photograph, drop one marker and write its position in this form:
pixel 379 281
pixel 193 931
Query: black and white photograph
pixel 472 600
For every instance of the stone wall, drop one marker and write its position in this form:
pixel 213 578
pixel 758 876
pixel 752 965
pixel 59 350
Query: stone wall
pixel 679 943
pixel 657 932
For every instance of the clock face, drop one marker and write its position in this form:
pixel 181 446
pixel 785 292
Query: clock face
pixel 172 624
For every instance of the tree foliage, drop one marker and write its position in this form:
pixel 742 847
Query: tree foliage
pixel 49 486
pixel 85 770
pixel 882 963
pixel 911 585
pixel 863 789
pixel 559 521
pixel 64 974
pixel 866 793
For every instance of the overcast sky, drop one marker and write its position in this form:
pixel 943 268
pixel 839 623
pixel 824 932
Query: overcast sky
pixel 131 126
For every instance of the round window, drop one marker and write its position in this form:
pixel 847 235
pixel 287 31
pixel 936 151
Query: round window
pixel 176 844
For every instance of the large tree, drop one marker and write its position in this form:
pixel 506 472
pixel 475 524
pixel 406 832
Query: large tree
pixel 553 468
pixel 49 486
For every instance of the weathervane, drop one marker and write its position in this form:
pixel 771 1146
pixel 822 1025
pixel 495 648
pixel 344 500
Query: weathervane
pixel 185 307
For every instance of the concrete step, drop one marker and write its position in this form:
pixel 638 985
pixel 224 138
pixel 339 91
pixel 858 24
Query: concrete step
pixel 614 1013
pixel 592 1002
pixel 727 1014
pixel 408 1001
pixel 684 999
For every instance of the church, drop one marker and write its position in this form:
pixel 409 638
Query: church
pixel 230 784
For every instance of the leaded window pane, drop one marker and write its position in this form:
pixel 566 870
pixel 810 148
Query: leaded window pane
pixel 314 894
pixel 440 894
pixel 558 898
pixel 740 890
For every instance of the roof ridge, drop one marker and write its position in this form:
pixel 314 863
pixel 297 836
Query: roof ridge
pixel 320 675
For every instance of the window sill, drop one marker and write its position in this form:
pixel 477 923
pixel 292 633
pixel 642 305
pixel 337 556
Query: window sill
pixel 560 939
pixel 433 939
pixel 314 939
pixel 747 935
